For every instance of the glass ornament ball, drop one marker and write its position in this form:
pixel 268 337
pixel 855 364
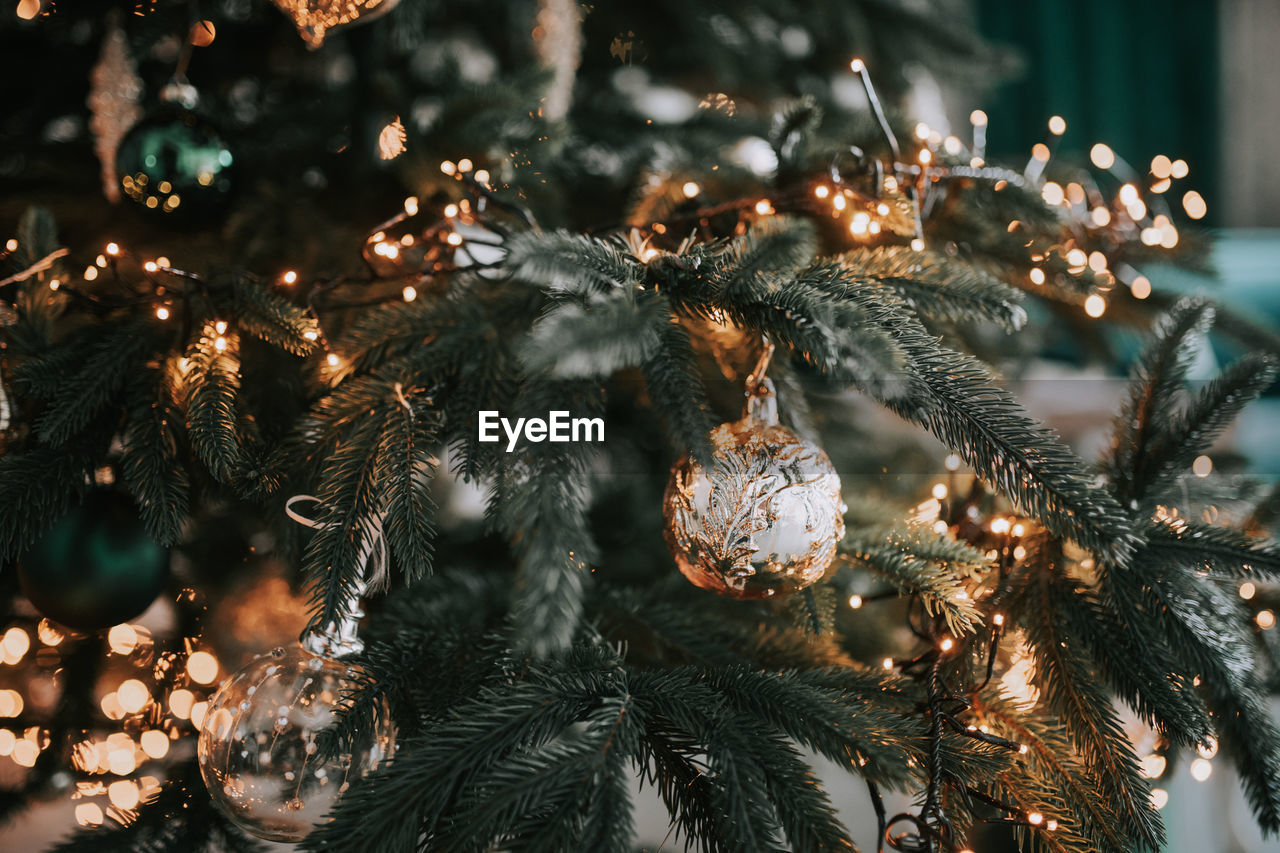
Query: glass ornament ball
pixel 764 518
pixel 175 165
pixel 264 752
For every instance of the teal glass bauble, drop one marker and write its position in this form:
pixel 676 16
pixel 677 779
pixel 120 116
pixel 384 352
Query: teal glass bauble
pixel 96 567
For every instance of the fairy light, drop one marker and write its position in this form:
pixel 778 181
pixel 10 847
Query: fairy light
pixel 202 666
pixel 1248 590
pixel 132 695
pixel 926 156
pixel 764 207
pixel 1161 166
pixel 450 211
pixel 89 814
pixel 90 273
pixel 1035 818
pixel 1201 769
pixel 448 167
pixel 821 191
pixel 1097 261
pixel 465 164
pixel 947 644
pixel 1000 525
pixel 1202 466
pixel 1161 186
pixel 409 293
pixel 16 642
pixel 151 266
pixel 113 249
pixel 180 702
pixel 1266 619
pixel 11 703
pixel 123 794
pixel 952 145
pixel 952 462
pixel 1023 749
pixel 690 189
pixel 1102 156
pixel 289 277
pixel 939 527
pixel 860 223
pixel 1209 748
pixel 454 239
pixel 917 245
pixel 887 663
pixel 198 710
pixel 482 177
pixel 1075 193
pixel 1140 287
pixel 162 313
pixel 220 343
pixel 1040 152
pixel 155 743
pixel 1057 125
pixel 122 638
pixel 839 202
pixel 311 334
pixel 922 131
pixel 1095 306
pixel 48 633
pixel 121 762
pixel 1179 169
pixel 1193 203
pixel 997 619
pixel 939 490
pixel 1159 798
pixel 332 359
pixel 1101 217
pixel 855 601
pixel 1018 530
pixel 1051 825
pixel 1052 194
pixel 1153 766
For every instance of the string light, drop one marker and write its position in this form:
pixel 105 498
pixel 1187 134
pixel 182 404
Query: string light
pixel 1095 306
pixel 448 167
pixel 1159 798
pixel 1102 156
pixel 289 277
pixel 113 249
pixel 1161 166
pixel 1201 769
pixel 162 313
pixel 220 344
pixel 1202 466
pixel 947 644
pixel 90 273
pixel 132 695
pixel 887 663
pixel 952 462
pixel 1052 194
pixel 454 239
pixel 450 211
pixel 332 359
pixel 1035 818
pixel 855 601
pixel 1179 169
pixel 764 207
pixel 1140 287
pixel 482 177
pixel 1057 125
pixel 1266 619
pixel 1153 766
pixel 1193 203
pixel 1248 590
pixel 465 164
pixel 202 666
pixel 939 490
pixel 690 189
pixel 998 619
pixel 822 191
pixel 1101 217
pixel 917 245
pixel 1209 748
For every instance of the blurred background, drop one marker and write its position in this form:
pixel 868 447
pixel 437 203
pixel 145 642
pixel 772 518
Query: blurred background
pixel 1193 80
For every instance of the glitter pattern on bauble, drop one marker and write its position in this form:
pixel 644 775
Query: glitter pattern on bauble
pixel 765 518
pixel 263 752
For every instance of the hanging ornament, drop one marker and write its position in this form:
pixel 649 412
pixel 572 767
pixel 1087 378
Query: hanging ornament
pixel 174 162
pixel 97 567
pixel 263 749
pixel 765 517
pixel 115 89
pixel 315 18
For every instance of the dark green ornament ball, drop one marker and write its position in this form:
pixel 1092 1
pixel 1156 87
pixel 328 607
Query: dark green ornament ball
pixel 97 567
pixel 175 165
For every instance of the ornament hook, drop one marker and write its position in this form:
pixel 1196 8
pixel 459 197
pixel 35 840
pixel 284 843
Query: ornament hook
pixel 762 401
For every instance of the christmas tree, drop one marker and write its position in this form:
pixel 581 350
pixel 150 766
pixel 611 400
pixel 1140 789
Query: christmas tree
pixel 612 400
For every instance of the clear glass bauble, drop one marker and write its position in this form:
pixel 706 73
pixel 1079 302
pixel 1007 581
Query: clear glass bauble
pixel 764 518
pixel 261 750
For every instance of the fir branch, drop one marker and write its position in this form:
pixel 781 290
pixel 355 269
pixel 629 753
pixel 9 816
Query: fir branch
pixel 211 385
pixel 1068 689
pixel 675 387
pixel 939 287
pixel 1222 550
pixel 593 339
pixel 115 356
pixel 405 467
pixel 1177 443
pixel 569 263
pixel 933 567
pixel 1157 380
pixel 272 318
pixel 150 462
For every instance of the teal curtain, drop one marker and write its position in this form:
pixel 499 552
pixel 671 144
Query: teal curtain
pixel 1140 75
